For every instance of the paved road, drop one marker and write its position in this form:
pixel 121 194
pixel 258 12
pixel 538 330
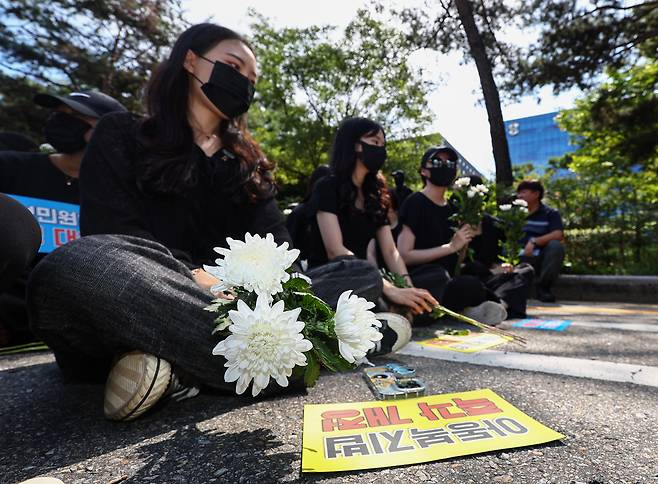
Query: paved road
pixel 54 428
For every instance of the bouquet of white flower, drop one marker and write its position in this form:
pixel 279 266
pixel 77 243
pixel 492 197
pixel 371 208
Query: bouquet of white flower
pixel 470 202
pixel 275 327
pixel 513 218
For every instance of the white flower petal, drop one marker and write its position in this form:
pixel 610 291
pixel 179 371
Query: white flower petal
pixel 356 326
pixel 264 343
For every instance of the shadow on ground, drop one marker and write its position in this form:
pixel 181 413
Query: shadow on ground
pixel 49 424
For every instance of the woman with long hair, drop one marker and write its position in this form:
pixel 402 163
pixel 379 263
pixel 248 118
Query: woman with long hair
pixel 351 207
pixel 126 301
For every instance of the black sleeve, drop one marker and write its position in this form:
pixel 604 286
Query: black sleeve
pixel 325 195
pixel 410 214
pixel 109 198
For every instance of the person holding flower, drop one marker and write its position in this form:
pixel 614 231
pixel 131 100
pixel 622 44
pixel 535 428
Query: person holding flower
pixel 126 301
pixel 542 239
pixel 351 207
pixel 429 242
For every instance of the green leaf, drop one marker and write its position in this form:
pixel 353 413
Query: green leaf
pixel 296 284
pixel 329 358
pixel 312 372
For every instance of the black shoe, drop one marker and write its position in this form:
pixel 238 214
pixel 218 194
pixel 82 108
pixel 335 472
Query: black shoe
pixel 396 331
pixel 544 294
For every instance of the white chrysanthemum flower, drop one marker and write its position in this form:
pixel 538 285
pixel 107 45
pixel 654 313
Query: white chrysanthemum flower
pixel 257 264
pixel 472 192
pixel 523 209
pixel 505 207
pixel 482 188
pixel 356 326
pixel 265 343
pixel 463 182
pixel 520 203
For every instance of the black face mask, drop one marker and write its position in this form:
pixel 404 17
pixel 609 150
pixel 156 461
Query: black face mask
pixel 66 133
pixel 442 176
pixel 230 91
pixel 373 157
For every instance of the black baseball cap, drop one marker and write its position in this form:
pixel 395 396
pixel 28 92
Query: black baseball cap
pixel 434 150
pixel 89 103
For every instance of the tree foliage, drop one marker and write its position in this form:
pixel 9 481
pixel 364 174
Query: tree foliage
pixel 313 78
pixel 611 199
pixel 64 45
pixel 578 40
pixel 470 27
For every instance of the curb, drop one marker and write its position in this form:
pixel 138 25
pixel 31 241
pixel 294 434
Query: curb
pixel 631 289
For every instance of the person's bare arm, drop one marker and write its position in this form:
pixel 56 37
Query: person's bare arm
pixel 332 237
pixel 412 256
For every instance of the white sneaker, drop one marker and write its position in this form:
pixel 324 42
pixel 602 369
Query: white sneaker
pixel 137 382
pixel 489 312
pixel 397 333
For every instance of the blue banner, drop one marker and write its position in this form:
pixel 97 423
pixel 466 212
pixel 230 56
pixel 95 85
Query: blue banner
pixel 59 221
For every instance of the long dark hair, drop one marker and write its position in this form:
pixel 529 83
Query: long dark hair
pixel 376 199
pixel 168 162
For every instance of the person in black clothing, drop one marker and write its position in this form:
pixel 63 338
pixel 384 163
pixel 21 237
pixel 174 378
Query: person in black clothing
pixel 18 246
pixel 544 234
pixel 52 177
pixel 401 191
pixel 375 255
pixel 158 193
pixel 351 205
pixel 511 284
pixel 12 141
pixel 429 243
pixel 298 221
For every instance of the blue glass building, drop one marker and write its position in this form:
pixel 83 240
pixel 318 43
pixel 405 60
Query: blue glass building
pixel 536 139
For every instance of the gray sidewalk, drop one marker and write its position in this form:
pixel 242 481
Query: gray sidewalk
pixel 55 428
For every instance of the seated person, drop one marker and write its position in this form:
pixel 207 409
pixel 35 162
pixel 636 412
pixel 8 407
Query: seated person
pixel 544 234
pixel 375 256
pixel 125 303
pixel 511 284
pixel 12 141
pixel 351 208
pixel 429 243
pixel 298 221
pixel 18 246
pixel 51 177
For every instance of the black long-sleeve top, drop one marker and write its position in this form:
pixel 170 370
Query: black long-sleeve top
pixel 188 224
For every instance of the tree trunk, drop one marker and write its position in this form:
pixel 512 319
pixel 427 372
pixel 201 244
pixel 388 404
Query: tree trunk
pixel 504 175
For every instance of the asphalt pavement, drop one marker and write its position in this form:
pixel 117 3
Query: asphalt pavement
pixel 583 382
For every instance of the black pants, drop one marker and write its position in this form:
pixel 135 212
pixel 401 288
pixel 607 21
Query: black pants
pixel 548 263
pixel 513 288
pixel 19 242
pixel 103 295
pixel 455 293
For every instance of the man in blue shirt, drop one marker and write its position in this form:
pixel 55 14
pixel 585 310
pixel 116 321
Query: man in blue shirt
pixel 543 236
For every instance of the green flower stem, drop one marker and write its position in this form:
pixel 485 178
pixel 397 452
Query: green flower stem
pixel 440 311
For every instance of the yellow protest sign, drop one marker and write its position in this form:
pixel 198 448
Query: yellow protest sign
pixel 470 343
pixel 366 435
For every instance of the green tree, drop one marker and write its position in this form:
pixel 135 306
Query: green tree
pixel 313 78
pixel 610 200
pixel 577 41
pixel 471 27
pixel 64 45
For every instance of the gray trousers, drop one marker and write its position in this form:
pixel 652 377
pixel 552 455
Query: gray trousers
pixel 549 263
pixel 101 296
